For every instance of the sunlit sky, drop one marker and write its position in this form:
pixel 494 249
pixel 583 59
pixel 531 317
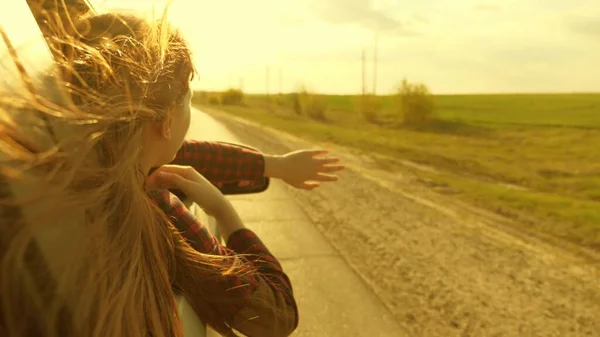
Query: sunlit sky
pixel 455 46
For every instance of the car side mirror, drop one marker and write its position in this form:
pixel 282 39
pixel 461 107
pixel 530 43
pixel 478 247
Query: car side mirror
pixel 245 186
pixel 235 187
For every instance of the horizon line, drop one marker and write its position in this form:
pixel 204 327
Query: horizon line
pixel 434 94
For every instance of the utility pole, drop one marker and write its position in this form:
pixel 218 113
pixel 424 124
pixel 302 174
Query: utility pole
pixel 364 73
pixel 280 81
pixel 375 64
pixel 267 75
pixel 241 84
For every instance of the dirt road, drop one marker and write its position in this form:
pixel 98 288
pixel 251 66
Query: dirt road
pixel 441 270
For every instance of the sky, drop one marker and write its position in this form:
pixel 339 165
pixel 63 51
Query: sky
pixel 453 46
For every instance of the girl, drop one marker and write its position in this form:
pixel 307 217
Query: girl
pixel 216 161
pixel 129 85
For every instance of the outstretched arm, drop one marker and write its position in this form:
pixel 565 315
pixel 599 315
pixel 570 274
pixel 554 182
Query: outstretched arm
pixel 221 163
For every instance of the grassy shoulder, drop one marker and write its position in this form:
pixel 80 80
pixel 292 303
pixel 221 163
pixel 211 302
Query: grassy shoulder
pixel 545 174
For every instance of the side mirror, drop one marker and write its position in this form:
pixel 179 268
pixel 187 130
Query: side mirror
pixel 235 187
pixel 245 186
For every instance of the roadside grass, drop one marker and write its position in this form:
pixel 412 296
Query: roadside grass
pixel 535 158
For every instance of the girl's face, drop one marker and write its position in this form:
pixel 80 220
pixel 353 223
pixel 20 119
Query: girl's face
pixel 162 140
pixel 180 116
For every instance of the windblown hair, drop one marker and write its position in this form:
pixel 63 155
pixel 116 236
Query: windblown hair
pixel 87 252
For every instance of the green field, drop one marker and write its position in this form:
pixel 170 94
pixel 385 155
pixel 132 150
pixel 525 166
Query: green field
pixel 534 158
pixel 579 110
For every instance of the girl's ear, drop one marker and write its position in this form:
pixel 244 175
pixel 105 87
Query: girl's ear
pixel 166 127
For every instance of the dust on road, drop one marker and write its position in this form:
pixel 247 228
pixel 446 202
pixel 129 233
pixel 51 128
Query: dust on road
pixel 440 273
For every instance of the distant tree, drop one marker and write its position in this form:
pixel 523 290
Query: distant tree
pixel 214 100
pixel 232 97
pixel 415 103
pixel 309 104
pixel 296 103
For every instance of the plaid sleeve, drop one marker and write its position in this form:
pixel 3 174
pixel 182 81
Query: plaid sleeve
pixel 221 162
pixel 276 285
pixel 193 231
pixel 246 242
pixel 265 304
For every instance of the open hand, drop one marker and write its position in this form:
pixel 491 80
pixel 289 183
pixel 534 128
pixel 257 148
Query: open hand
pixel 307 169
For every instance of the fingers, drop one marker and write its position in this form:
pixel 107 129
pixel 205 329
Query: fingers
pixel 169 178
pixel 186 172
pixel 326 164
pixel 326 177
pixel 164 180
pixel 175 169
pixel 327 161
pixel 316 181
pixel 311 185
pixel 332 168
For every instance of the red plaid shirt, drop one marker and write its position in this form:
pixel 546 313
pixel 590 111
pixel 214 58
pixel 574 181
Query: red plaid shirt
pixel 223 163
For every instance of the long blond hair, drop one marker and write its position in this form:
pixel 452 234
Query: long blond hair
pixel 112 272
